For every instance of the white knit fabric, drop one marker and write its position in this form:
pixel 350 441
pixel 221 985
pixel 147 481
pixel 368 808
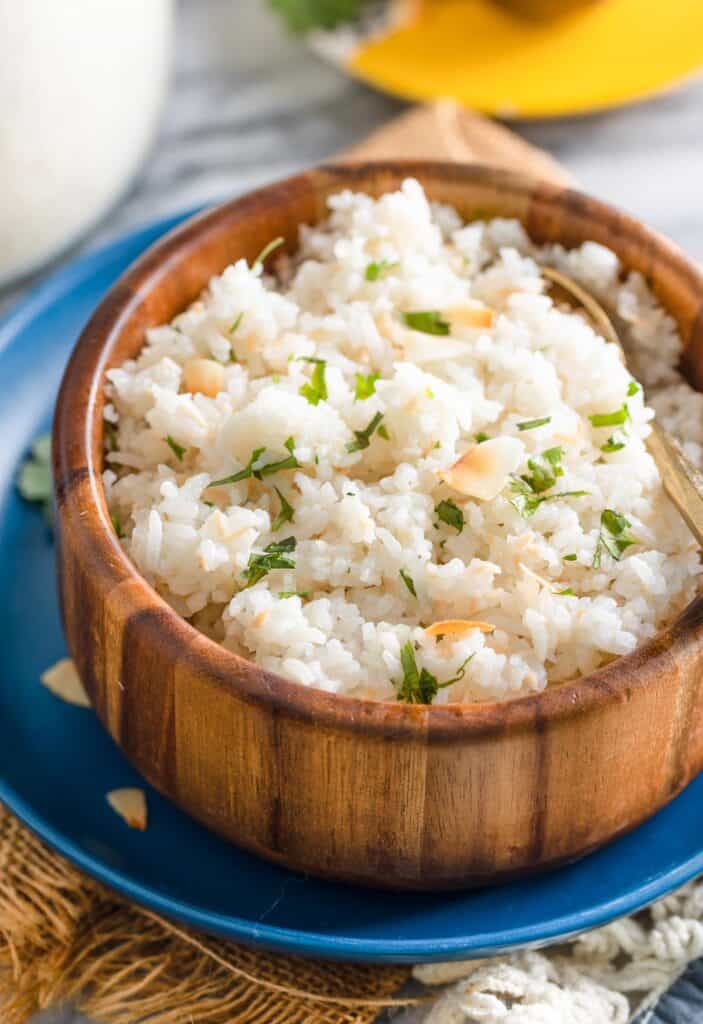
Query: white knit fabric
pixel 606 976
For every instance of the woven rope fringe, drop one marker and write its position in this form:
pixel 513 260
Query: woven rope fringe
pixel 66 940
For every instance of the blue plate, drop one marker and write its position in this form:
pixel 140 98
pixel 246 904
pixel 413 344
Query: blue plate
pixel 56 763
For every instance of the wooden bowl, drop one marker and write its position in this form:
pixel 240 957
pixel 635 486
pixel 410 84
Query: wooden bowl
pixel 379 793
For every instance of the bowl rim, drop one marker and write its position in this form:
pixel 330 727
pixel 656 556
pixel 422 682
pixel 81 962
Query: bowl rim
pixel 76 454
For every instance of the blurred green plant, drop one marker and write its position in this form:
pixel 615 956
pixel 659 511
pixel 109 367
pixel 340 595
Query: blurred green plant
pixel 305 15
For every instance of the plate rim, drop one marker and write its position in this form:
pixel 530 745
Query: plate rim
pixel 55 288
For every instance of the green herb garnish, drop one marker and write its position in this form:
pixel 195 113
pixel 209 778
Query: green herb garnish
pixel 35 480
pixel 275 556
pixel 615 442
pixel 419 686
pixel 428 321
pixel 632 388
pixel 481 437
pixel 450 514
pixel 531 424
pixel 365 386
pixel 408 581
pixel 526 501
pixel 177 449
pixel 286 513
pixel 115 520
pixel 293 593
pixel 363 437
pixel 375 270
pixel 256 469
pixel 266 251
pixel 315 390
pixel 236 322
pixel 613 537
pixel 110 432
pixel 545 469
pixel 305 15
pixel 570 558
pixel 611 419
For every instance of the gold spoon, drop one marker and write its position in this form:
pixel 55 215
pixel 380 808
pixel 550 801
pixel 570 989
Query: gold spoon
pixel 682 481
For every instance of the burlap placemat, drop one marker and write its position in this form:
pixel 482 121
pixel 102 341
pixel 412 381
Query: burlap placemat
pixel 66 939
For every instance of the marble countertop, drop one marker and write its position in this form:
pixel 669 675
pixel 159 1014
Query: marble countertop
pixel 248 105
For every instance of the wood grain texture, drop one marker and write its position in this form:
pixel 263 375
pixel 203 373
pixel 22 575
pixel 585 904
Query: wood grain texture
pixel 384 794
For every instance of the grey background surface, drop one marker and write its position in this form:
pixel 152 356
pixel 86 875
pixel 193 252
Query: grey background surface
pixel 248 105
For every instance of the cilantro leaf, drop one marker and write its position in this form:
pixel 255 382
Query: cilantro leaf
pixel 481 437
pixel 615 442
pixel 315 390
pixel 253 468
pixel 177 449
pixel 375 270
pixel 611 419
pixel 365 386
pixel 428 321
pixel 408 581
pixel 531 424
pixel 450 514
pixel 571 558
pixel 545 470
pixel 363 437
pixel 305 15
pixel 614 537
pixel 266 251
pixel 293 593
pixel 275 556
pixel 286 513
pixel 117 525
pixel 419 686
pixel 632 388
pixel 237 321
pixel 526 501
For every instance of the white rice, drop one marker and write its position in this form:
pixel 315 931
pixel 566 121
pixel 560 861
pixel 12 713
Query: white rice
pixel 361 517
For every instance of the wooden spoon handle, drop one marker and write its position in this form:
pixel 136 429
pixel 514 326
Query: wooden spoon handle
pixel 682 481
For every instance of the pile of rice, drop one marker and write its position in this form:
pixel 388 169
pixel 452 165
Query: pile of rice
pixel 396 341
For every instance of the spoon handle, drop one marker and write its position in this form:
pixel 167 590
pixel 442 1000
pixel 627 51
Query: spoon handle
pixel 682 481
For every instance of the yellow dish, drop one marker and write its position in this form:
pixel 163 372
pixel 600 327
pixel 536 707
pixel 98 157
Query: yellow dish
pixel 481 54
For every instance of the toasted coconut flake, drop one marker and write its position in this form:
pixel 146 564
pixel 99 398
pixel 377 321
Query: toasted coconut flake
pixel 130 804
pixel 458 627
pixel 470 314
pixel 64 682
pixel 204 376
pixel 482 472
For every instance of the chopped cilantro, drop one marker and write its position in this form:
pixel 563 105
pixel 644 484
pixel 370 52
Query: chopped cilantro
pixel 614 537
pixel 408 581
pixel 615 442
pixel 376 269
pixel 275 556
pixel 570 558
pixel 315 390
pixel 419 686
pixel 450 514
pixel 632 388
pixel 254 468
pixel 532 424
pixel 365 386
pixel 383 432
pixel 236 322
pixel 110 432
pixel 526 501
pixel 611 419
pixel 304 15
pixel 266 251
pixel 293 593
pixel 481 437
pixel 363 437
pixel 545 470
pixel 177 449
pixel 564 593
pixel 115 520
pixel 35 481
pixel 428 321
pixel 286 513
